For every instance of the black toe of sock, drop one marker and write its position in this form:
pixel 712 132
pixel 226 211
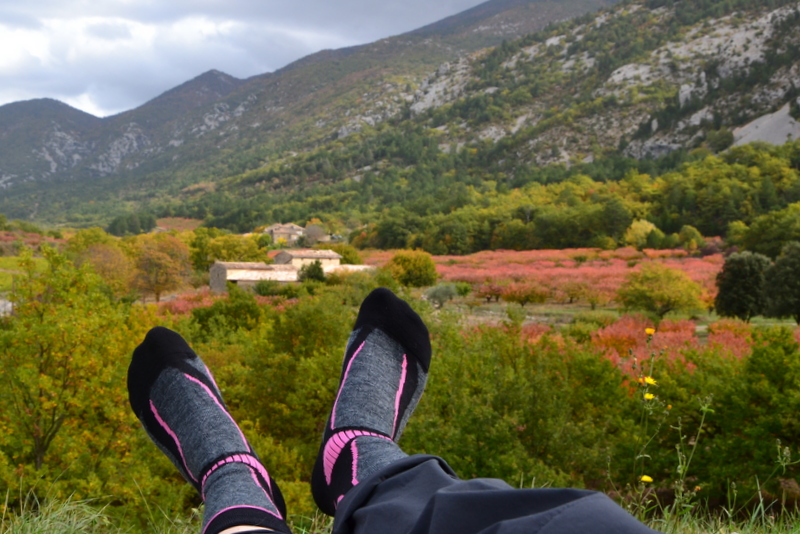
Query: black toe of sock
pixel 160 349
pixel 384 310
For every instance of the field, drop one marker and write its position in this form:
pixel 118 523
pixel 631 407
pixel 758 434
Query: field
pixel 9 266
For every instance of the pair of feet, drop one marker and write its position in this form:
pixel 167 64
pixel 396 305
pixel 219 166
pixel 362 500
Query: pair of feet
pixel 180 406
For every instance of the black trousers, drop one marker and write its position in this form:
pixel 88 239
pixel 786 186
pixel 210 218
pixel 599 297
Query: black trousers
pixel 421 495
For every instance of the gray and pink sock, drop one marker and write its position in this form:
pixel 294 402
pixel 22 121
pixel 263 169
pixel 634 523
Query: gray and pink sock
pixel 383 375
pixel 180 406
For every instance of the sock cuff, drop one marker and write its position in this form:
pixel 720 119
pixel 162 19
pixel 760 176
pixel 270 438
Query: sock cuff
pixel 244 457
pixel 385 311
pixel 245 515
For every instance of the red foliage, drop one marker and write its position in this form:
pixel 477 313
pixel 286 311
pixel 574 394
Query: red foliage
pixel 532 332
pixel 731 336
pixel 184 303
pixel 628 337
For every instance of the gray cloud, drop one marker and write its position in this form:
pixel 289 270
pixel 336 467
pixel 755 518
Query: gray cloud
pixel 106 56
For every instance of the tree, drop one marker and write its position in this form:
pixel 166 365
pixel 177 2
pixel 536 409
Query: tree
pixel 782 282
pixel 741 284
pixel 200 252
pixel 441 293
pixel 658 289
pixel 311 271
pixel 59 355
pixel 233 247
pixel 413 268
pixel 524 293
pixel 161 265
pixel 349 254
pixel 112 264
pixel 83 239
pixel 636 235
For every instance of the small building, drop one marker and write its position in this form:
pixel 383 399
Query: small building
pixel 307 256
pixel 288 232
pixel 248 274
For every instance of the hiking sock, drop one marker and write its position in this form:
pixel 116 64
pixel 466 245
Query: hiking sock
pixel 383 375
pixel 180 406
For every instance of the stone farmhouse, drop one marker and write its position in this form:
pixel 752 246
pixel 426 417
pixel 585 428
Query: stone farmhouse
pixel 307 256
pixel 290 233
pixel 286 268
pixel 247 274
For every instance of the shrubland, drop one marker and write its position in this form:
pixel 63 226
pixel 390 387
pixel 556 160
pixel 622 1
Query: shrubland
pixel 600 403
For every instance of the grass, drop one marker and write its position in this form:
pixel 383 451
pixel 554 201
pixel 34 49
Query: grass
pixel 84 517
pixel 9 266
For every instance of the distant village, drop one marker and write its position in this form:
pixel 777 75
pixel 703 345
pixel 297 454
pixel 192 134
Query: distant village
pixel 287 263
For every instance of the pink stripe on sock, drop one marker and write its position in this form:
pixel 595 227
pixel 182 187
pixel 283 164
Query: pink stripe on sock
pixel 221 407
pixel 341 386
pixel 403 371
pixel 354 451
pixel 248 460
pixel 169 431
pixel 234 508
pixel 336 443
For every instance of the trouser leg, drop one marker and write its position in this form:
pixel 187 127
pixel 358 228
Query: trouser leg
pixel 422 495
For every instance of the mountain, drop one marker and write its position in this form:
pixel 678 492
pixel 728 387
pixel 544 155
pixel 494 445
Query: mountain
pixel 207 121
pixel 641 79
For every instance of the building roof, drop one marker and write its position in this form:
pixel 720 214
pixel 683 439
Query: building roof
pixel 250 265
pixel 311 253
pixel 285 227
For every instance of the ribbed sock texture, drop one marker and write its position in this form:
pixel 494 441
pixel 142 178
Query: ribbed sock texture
pixel 383 376
pixel 180 406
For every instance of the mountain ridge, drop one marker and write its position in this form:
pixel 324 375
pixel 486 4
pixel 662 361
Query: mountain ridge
pixel 641 79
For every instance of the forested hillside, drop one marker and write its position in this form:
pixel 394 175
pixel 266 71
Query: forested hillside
pixel 563 137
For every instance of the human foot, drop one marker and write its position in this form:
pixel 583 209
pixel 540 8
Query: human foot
pixel 177 401
pixel 383 375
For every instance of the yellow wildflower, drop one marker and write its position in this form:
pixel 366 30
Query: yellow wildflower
pixel 649 396
pixel 646 479
pixel 697 488
pixel 649 380
pixel 649 331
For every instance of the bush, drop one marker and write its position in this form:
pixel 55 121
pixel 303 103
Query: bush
pixel 659 290
pixel 413 268
pixel 595 317
pixel 312 271
pixel 267 288
pixel 441 294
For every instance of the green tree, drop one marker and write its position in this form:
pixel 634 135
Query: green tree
pixel 311 271
pixel 690 237
pixel 233 247
pixel 413 268
pixel 769 233
pixel 161 265
pixel 59 359
pixel 636 235
pixel 740 286
pixel 83 239
pixel 349 254
pixel 658 289
pixel 782 281
pixel 441 293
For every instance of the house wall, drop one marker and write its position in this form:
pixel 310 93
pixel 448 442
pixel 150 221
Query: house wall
pixel 218 277
pixel 299 262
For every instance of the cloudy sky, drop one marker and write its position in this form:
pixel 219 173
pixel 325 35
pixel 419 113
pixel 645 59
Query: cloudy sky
pixel 107 56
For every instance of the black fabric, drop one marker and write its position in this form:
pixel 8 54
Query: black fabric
pixel 246 516
pixel 422 495
pixel 383 310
